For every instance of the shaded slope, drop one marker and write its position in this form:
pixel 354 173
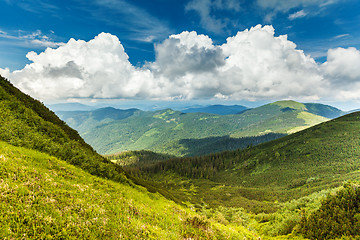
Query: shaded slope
pixel 324 110
pixel 204 146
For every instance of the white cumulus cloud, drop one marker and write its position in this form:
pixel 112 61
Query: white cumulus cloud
pixel 343 66
pixel 252 65
pixel 96 69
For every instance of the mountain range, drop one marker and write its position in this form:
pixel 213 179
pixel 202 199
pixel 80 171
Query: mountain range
pixel 54 185
pixel 111 130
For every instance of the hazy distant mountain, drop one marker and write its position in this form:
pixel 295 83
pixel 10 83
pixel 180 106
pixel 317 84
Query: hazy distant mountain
pixel 83 121
pixel 324 110
pixel 217 109
pixel 111 130
pixel 70 107
pixel 355 110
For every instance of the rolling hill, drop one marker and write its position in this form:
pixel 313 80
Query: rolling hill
pixel 317 158
pixel 168 131
pixel 217 109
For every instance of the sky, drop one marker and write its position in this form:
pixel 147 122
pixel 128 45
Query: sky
pixel 234 51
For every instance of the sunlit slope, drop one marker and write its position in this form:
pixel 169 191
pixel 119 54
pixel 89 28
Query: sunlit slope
pixel 46 198
pixel 166 130
pixel 290 167
pixel 281 117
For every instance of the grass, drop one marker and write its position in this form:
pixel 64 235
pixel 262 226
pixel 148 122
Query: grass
pixel 46 198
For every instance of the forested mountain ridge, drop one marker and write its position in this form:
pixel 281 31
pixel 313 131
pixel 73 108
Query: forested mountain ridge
pixel 319 157
pixel 204 146
pixel 165 131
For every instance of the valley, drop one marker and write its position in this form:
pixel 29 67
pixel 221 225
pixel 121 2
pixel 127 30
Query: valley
pixel 272 186
pixel 111 130
pixel 180 120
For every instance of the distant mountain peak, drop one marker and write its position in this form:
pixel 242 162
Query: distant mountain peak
pixel 290 104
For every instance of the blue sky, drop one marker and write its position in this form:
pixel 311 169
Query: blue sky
pixel 140 25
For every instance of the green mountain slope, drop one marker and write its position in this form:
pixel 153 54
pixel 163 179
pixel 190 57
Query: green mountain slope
pixel 46 198
pixel 165 130
pixel 290 167
pixel 28 123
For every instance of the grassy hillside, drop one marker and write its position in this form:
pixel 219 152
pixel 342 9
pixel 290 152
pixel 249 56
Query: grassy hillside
pixel 28 123
pixel 46 198
pixel 166 130
pixel 43 197
pixel 317 158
